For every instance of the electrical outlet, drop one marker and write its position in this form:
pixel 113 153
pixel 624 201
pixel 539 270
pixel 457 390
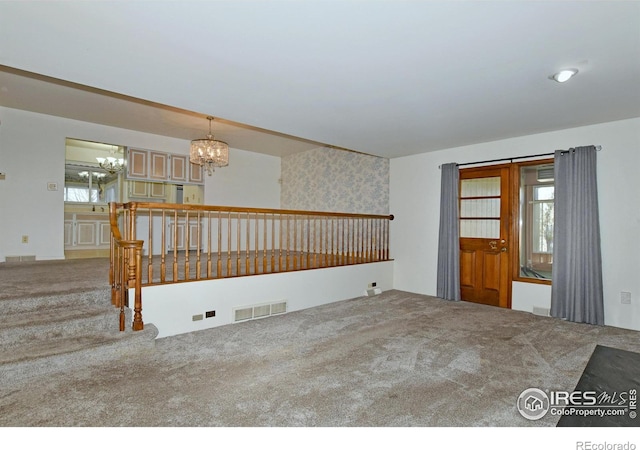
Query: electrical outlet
pixel 210 314
pixel 25 239
pixel 625 298
pixel 372 285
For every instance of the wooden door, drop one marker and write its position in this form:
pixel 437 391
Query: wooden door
pixel 484 235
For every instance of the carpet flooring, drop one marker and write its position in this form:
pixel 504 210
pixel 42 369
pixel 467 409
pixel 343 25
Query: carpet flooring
pixel 393 360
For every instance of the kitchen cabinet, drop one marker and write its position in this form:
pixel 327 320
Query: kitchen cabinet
pixel 150 165
pixel 86 231
pixel 178 168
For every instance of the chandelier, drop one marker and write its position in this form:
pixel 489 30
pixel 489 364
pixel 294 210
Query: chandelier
pixel 96 175
pixel 111 164
pixel 208 152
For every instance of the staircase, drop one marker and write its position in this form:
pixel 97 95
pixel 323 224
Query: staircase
pixel 52 333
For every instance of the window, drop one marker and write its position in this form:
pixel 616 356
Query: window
pixel 536 207
pixel 80 194
pixel 85 184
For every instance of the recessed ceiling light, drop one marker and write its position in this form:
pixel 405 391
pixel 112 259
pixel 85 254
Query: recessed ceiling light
pixel 564 75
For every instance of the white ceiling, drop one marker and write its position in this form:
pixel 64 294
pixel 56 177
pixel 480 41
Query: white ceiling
pixel 389 78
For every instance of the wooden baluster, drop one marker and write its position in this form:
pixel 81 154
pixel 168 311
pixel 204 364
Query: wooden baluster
pixel 150 248
pixel 273 243
pixel 350 240
pixel 308 265
pixel 369 240
pixel 366 240
pixel 264 244
pixel 379 239
pixel 344 243
pixel 112 265
pixel 175 245
pixel 330 241
pixel 355 240
pixel 374 241
pixel 187 244
pixel 219 261
pixel 342 261
pixel 382 224
pixel 209 263
pixel 321 243
pixel 135 266
pixel 288 231
pixel 229 245
pixel 362 239
pixel 163 248
pixel 247 262
pixel 388 238
pixel 256 258
pixel 238 234
pixel 280 227
pixel 296 249
pixel 315 253
pixel 132 221
pixel 198 242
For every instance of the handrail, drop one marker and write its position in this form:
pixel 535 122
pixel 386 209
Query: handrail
pixel 297 212
pixel 163 243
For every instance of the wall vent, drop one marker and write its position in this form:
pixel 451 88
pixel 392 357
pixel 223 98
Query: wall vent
pixel 541 311
pixel 259 311
pixel 545 173
pixel 22 258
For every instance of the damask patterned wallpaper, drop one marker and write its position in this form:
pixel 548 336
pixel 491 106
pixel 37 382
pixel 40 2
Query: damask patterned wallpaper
pixel 326 179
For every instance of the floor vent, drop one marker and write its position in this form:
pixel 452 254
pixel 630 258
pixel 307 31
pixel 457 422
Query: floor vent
pixel 541 311
pixel 259 311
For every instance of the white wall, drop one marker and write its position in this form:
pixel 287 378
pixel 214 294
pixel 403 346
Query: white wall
pixel 415 198
pixel 171 307
pixel 32 154
pixel 250 180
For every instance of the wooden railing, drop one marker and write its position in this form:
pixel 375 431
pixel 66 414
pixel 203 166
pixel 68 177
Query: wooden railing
pixel 170 243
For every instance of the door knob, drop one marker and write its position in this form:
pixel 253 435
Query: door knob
pixel 503 249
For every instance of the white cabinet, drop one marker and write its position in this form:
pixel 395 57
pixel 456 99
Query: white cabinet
pixel 158 166
pixel 150 165
pixel 137 163
pixel 178 165
pixel 86 231
pixel 195 174
pixel 145 189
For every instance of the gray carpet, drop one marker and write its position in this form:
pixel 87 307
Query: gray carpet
pixel 393 360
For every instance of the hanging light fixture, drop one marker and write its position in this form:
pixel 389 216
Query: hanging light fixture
pixel 111 164
pixel 209 152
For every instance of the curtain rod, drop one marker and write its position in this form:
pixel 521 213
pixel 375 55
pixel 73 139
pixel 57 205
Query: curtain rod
pixel 598 148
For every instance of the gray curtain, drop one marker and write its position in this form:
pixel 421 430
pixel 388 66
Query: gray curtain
pixel 448 286
pixel 576 291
